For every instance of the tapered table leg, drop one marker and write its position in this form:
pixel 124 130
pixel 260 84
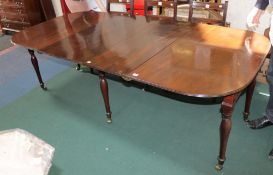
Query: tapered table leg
pixel 104 91
pixel 249 94
pixel 35 64
pixel 227 107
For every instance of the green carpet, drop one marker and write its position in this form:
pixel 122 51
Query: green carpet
pixel 5 42
pixel 151 134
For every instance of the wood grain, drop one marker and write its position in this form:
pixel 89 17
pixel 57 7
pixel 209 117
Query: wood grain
pixel 192 59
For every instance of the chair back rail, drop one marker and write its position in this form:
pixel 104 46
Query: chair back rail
pixel 128 3
pixel 213 8
pixel 160 4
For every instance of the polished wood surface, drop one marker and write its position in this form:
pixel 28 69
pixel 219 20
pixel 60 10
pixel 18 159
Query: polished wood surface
pixel 197 60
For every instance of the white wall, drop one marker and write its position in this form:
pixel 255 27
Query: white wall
pixel 57 7
pixel 237 13
pixel 92 3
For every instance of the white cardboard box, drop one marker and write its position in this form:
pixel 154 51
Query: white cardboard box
pixel 22 153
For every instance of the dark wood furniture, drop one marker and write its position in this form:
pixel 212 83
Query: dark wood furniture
pixel 17 15
pixel 1 33
pixel 197 60
pixel 48 9
pixel 129 4
pixel 182 1
pixel 217 12
pixel 160 8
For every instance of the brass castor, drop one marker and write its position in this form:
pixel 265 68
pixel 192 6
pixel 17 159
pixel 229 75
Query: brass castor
pixel 43 87
pixel 109 118
pixel 219 166
pixel 246 116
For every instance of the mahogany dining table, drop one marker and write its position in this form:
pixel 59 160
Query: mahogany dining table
pixel 197 60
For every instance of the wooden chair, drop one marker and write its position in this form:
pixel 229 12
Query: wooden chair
pixel 129 4
pixel 160 9
pixel 183 1
pixel 209 12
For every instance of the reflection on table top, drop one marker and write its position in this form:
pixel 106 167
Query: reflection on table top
pixel 197 60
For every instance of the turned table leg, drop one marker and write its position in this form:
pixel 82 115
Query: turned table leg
pixel 104 91
pixel 249 94
pixel 35 64
pixel 227 107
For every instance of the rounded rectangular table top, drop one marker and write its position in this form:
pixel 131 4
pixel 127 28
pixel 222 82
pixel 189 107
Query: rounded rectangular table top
pixel 197 60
